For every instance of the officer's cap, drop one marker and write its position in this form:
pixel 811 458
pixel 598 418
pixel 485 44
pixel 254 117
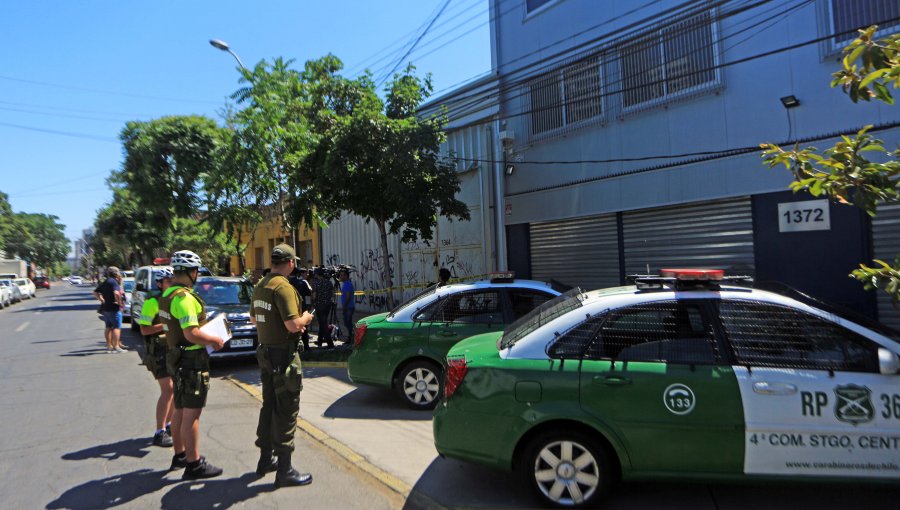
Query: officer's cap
pixel 283 253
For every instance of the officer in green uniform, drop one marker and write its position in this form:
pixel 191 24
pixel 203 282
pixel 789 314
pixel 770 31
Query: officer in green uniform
pixel 155 359
pixel 182 313
pixel 275 309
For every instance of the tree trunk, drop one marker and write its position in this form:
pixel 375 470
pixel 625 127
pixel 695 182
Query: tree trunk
pixel 386 271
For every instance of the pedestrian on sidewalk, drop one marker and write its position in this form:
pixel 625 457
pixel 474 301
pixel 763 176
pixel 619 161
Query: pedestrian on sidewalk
pixel 109 293
pixel 323 301
pixel 183 312
pixel 348 302
pixel 275 310
pixel 155 350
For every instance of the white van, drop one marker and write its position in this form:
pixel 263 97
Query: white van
pixel 144 283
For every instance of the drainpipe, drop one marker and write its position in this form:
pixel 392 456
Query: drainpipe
pixel 499 165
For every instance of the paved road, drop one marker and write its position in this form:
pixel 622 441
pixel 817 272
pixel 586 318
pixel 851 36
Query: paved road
pixel 76 427
pixel 76 435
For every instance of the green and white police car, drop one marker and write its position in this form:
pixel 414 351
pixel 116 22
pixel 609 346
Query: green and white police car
pixel 405 349
pixel 679 376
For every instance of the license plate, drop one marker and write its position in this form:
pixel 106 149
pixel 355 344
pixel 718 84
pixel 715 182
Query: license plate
pixel 241 342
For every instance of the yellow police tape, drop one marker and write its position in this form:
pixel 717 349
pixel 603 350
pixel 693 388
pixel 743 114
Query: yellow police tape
pixel 416 286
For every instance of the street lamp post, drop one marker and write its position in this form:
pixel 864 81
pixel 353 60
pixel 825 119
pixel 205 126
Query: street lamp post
pixel 222 45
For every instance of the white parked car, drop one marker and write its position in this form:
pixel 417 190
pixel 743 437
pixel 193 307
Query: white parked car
pixel 26 287
pixel 75 280
pixel 5 296
pixel 15 293
pixel 128 288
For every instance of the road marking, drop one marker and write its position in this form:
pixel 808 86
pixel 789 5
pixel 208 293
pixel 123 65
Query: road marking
pixel 392 482
pixel 23 326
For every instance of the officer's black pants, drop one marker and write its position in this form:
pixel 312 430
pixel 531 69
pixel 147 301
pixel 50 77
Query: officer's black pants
pixel 322 314
pixel 282 381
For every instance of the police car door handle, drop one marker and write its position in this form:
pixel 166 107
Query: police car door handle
pixel 611 380
pixel 447 332
pixel 774 388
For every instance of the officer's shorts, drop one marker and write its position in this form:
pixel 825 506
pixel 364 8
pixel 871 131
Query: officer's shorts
pixel 191 380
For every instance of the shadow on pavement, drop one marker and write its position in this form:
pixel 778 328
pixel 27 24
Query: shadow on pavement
pixel 61 308
pixel 82 298
pixel 456 484
pixel 85 352
pixel 111 491
pixel 215 493
pixel 137 448
pixel 373 403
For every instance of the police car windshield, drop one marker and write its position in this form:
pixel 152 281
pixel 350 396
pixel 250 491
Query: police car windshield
pixel 560 305
pixel 415 299
pixel 223 292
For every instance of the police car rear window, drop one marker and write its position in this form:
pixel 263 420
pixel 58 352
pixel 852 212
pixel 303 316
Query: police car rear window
pixel 556 307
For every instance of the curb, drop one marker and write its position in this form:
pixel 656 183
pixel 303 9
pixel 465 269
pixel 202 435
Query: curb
pixel 322 364
pixel 390 481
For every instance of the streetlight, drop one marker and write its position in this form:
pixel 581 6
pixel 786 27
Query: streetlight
pixel 222 45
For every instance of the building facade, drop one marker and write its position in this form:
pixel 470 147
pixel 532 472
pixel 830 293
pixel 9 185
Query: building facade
pixel 631 135
pixel 268 234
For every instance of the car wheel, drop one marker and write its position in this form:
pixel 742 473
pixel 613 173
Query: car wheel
pixel 419 384
pixel 567 469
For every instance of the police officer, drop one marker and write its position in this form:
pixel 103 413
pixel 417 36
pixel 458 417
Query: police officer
pixel 155 350
pixel 182 313
pixel 275 309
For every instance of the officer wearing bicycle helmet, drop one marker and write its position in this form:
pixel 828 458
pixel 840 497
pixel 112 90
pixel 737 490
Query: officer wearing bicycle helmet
pixel 182 313
pixel 155 350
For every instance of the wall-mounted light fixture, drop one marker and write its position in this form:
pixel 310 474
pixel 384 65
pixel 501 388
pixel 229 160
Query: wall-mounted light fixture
pixel 790 101
pixel 510 169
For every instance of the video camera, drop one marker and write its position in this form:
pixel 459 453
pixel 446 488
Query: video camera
pixel 332 271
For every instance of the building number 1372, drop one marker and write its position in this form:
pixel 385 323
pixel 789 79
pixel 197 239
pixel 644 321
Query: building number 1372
pixel 804 215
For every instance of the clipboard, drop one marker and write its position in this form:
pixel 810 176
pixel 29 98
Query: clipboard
pixel 219 327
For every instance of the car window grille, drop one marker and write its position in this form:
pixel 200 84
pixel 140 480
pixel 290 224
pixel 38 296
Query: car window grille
pixel 574 343
pixel 667 331
pixel 556 307
pixel 769 335
pixel 477 307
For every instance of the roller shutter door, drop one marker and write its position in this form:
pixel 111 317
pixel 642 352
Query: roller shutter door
pixel 716 235
pixel 581 252
pixel 886 241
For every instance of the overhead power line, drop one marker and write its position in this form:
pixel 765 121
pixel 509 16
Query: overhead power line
pixel 413 45
pixel 108 92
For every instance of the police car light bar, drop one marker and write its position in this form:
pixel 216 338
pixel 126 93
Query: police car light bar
pixel 502 276
pixel 161 261
pixel 693 274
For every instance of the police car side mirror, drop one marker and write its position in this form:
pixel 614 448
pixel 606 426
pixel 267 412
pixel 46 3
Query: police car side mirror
pixel 888 362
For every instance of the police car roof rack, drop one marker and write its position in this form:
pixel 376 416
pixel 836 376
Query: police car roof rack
pixel 687 279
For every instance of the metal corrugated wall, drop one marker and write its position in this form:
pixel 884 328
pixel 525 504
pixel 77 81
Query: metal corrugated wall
pixel 578 252
pixel 886 241
pixel 717 235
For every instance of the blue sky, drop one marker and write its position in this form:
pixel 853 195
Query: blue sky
pixel 74 72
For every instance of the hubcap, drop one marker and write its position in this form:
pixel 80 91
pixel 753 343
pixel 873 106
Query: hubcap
pixel 566 472
pixel 421 386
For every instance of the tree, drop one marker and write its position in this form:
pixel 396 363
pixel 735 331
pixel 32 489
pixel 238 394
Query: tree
pixel 7 220
pixel 127 234
pixel 41 240
pixel 199 237
pixel 382 162
pixel 845 173
pixel 165 162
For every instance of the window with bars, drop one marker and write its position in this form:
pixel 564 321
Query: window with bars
pixel 475 307
pixel 669 61
pixel 769 335
pixel 566 96
pixel 847 16
pixel 533 5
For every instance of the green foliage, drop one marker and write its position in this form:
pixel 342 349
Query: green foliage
pixel 202 239
pixel 7 220
pixel 165 162
pixel 858 170
pixel 40 239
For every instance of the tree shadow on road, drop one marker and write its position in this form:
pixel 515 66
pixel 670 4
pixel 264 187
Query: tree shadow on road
pixel 373 403
pixel 111 491
pixel 85 352
pixel 137 448
pixel 216 493
pixel 61 308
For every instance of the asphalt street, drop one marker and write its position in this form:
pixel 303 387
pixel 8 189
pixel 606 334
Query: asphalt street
pixel 77 427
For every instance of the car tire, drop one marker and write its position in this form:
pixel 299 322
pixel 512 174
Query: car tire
pixel 419 384
pixel 567 469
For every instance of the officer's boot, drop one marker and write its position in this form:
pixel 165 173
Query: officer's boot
pixel 267 462
pixel 287 476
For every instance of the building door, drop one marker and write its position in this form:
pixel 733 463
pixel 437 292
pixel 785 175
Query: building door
pixel 812 244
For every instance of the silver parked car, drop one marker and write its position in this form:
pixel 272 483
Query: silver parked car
pixel 16 294
pixel 5 296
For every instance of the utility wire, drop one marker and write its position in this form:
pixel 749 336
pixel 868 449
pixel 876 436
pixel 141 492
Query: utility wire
pixel 109 92
pixel 62 133
pixel 413 45
pixel 711 157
